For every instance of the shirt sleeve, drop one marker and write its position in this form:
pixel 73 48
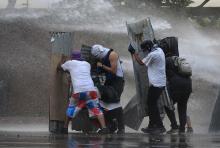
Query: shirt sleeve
pixel 65 66
pixel 147 59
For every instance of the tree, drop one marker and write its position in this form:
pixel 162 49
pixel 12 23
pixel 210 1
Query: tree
pixel 179 3
pixel 172 3
pixel 11 4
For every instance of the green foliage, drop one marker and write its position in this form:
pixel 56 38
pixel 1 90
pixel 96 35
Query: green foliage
pixel 208 22
pixel 172 3
pixel 177 3
pixel 181 3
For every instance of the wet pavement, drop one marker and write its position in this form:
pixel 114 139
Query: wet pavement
pixel 44 139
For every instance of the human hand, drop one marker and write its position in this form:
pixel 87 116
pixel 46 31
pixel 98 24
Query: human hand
pixel 99 64
pixel 131 49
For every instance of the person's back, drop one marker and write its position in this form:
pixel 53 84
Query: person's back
pixel 84 91
pixel 177 83
pixel 80 75
pixel 156 67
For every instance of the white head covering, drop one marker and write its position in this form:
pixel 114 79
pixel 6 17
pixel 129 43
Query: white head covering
pixel 99 51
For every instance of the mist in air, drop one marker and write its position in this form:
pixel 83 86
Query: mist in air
pixel 200 46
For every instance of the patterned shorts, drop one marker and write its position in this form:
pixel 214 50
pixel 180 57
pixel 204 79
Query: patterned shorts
pixel 87 99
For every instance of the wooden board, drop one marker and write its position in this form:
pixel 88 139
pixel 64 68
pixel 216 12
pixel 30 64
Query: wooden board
pixel 61 43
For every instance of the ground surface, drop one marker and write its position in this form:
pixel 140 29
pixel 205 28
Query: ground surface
pixel 33 133
pixel 43 140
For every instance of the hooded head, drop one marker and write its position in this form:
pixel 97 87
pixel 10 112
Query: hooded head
pixel 147 45
pixel 99 51
pixel 76 55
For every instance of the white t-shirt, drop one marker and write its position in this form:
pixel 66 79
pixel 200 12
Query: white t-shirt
pixel 80 75
pixel 155 61
pixel 119 71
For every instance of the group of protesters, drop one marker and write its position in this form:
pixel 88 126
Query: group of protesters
pixel 103 102
pixel 108 111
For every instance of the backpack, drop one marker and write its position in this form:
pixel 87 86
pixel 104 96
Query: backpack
pixel 183 67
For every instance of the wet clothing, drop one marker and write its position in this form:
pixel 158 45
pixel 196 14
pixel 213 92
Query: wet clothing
pixel 114 119
pixel 177 83
pixel 113 113
pixel 81 100
pixel 114 84
pixel 111 93
pixel 179 88
pixel 154 115
pixel 84 91
pixel 155 62
pixel 119 71
pixel 99 51
pixel 80 75
pixel 182 100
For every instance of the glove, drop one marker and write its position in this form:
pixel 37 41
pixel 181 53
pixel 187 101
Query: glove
pixel 131 49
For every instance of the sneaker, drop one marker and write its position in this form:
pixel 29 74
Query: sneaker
pixel 158 130
pixel 121 132
pixel 147 130
pixel 173 131
pixel 103 131
pixel 189 130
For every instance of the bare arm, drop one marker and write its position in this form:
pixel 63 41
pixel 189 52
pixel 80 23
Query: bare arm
pixel 137 58
pixel 63 60
pixel 113 58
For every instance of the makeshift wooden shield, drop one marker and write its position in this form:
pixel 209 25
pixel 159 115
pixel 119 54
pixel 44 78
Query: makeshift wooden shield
pixel 136 109
pixel 61 44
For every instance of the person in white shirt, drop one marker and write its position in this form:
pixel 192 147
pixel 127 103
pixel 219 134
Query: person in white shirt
pixel 155 63
pixel 84 91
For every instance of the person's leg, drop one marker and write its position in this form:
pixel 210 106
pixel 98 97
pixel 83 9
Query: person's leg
pixel 118 115
pixel 171 116
pixel 101 120
pixel 154 115
pixel 120 119
pixel 66 122
pixel 189 125
pixel 119 86
pixel 110 122
pixel 92 105
pixel 71 112
pixel 182 108
pixel 188 122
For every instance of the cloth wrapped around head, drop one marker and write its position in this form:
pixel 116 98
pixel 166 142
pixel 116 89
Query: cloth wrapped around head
pixel 76 55
pixel 99 51
pixel 147 45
